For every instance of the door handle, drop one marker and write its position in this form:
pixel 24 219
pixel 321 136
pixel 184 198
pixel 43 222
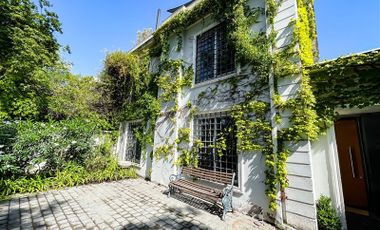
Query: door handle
pixel 351 162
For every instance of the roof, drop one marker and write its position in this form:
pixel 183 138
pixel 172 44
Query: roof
pixel 351 81
pixel 370 58
pixel 174 13
pixel 172 10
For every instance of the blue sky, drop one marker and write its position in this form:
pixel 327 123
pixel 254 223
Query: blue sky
pixel 93 27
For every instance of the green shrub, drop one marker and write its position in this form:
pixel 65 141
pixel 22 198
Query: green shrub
pixel 66 151
pixel 49 145
pixel 8 161
pixel 71 175
pixel 327 216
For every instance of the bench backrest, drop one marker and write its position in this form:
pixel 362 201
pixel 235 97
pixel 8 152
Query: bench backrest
pixel 210 175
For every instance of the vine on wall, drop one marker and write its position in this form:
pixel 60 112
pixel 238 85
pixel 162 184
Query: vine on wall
pixel 346 82
pixel 258 51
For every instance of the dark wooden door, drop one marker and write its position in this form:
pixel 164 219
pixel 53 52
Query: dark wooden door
pixel 351 163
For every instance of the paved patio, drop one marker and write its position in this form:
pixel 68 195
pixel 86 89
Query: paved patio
pixel 128 204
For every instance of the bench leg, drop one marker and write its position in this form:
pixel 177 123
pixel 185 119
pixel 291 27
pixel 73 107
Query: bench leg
pixel 227 204
pixel 171 190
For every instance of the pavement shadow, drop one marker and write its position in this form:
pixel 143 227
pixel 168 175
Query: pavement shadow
pixel 174 218
pixel 22 217
pixel 199 204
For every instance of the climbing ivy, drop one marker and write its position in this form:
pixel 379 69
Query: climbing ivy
pixel 303 119
pixel 346 82
pixel 258 52
pixel 188 154
pixel 254 133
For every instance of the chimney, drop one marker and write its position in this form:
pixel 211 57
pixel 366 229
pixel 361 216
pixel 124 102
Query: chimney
pixel 158 18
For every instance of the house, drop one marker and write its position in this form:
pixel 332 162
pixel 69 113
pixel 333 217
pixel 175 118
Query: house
pixel 249 105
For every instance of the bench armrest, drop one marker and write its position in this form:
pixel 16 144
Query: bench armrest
pixel 228 190
pixel 175 177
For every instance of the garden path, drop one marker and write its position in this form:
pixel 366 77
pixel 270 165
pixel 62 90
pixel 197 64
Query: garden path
pixel 126 204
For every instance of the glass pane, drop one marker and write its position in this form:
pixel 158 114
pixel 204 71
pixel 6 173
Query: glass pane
pixel 209 130
pixel 225 63
pixel 205 56
pixel 215 57
pixel 133 150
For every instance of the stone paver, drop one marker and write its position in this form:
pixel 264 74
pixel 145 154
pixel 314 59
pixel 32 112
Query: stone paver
pixel 128 204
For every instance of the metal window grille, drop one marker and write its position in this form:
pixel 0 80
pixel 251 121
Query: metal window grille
pixel 215 56
pixel 208 129
pixel 133 149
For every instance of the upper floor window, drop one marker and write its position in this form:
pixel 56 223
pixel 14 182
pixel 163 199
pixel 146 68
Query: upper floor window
pixel 215 57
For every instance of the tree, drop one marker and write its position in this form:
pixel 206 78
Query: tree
pixel 28 51
pixel 143 35
pixel 73 96
pixel 123 78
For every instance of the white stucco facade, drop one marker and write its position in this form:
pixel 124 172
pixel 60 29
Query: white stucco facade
pixel 306 172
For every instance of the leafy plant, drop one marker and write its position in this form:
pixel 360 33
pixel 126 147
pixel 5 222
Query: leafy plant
pixel 74 96
pixel 72 174
pixel 327 216
pixel 36 147
pixel 28 50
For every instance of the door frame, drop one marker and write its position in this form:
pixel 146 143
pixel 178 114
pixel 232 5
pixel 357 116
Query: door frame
pixel 366 158
pixel 357 118
pixel 364 153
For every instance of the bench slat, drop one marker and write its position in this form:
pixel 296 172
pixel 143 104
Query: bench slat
pixel 201 196
pixel 207 171
pixel 198 186
pixel 219 177
pixel 210 178
pixel 195 189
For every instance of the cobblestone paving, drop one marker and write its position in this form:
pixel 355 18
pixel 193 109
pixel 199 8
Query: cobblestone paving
pixel 128 204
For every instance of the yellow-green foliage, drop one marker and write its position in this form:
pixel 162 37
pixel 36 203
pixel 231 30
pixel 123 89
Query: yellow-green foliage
pixel 281 169
pixel 163 151
pixel 188 155
pixel 251 124
pixel 304 117
pixel 305 34
pixel 340 83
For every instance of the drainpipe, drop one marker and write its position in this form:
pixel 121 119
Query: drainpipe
pixel 280 215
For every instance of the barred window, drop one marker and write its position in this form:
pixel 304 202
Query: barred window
pixel 208 129
pixel 215 56
pixel 133 148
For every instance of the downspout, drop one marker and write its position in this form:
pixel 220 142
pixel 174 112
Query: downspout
pixel 280 216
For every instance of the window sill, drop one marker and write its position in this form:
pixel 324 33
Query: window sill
pixel 127 164
pixel 215 80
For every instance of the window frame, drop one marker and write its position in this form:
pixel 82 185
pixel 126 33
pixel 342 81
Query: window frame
pixel 215 77
pixel 194 136
pixel 124 154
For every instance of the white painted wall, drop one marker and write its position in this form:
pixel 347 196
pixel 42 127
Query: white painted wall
pixel 300 203
pixel 299 209
pixel 251 165
pixel 143 169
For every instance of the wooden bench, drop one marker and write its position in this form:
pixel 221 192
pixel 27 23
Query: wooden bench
pixel 222 197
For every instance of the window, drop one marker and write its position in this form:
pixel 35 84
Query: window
pixel 133 148
pixel 209 129
pixel 215 57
